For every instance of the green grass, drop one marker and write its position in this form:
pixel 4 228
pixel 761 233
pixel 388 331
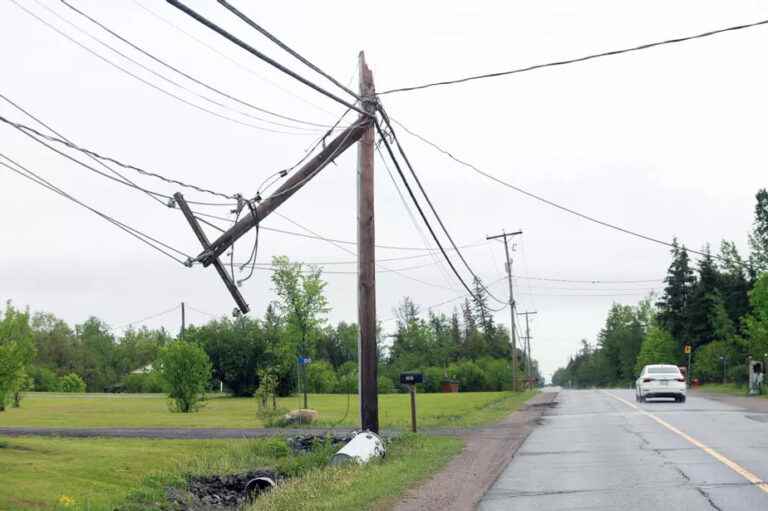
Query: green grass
pixel 733 389
pixel 151 410
pixel 132 474
pixel 37 472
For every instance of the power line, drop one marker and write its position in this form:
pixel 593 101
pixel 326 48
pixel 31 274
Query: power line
pixel 236 62
pixel 383 137
pixel 437 261
pixel 578 59
pixel 33 134
pixel 194 79
pixel 153 316
pixel 250 49
pixel 287 48
pixel 542 199
pixel 328 239
pixel 32 176
pixel 431 206
pixel 142 80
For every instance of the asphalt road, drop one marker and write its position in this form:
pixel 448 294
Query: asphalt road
pixel 602 450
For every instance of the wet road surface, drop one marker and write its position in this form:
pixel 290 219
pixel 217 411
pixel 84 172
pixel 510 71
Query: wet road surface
pixel 602 450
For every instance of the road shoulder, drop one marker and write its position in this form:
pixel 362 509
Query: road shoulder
pixel 487 451
pixel 752 404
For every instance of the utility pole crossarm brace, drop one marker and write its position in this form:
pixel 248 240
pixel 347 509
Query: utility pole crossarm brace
pixel 294 183
pixel 189 215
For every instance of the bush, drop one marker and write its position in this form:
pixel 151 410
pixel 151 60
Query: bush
pixel 44 380
pixel 470 376
pixel 321 378
pixel 146 383
pixel 707 363
pixel 385 385
pixel 71 383
pixel 186 370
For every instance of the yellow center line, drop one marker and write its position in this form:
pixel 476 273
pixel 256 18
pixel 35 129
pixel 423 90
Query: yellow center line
pixel 743 472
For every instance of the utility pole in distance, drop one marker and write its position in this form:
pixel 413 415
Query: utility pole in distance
pixel 366 258
pixel 527 343
pixel 183 320
pixel 504 236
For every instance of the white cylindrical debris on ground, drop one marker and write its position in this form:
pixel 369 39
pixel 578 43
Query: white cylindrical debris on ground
pixel 361 449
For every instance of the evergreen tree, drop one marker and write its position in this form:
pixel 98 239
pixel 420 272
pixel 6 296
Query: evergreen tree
pixel 705 301
pixel 673 305
pixel 758 239
pixel 734 283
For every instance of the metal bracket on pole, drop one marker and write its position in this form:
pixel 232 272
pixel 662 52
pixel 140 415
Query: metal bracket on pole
pixel 239 300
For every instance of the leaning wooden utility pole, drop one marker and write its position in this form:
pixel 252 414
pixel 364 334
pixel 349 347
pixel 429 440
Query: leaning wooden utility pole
pixel 366 258
pixel 513 327
pixel 183 320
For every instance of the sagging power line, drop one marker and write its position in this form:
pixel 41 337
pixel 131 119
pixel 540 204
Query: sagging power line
pixel 575 60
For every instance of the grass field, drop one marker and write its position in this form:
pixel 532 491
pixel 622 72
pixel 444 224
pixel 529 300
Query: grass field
pixel 726 388
pixel 132 474
pixel 151 410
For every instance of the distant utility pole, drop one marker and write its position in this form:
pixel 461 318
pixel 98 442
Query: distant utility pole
pixel 366 257
pixel 504 236
pixel 528 368
pixel 183 320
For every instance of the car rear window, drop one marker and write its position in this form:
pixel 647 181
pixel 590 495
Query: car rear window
pixel 663 370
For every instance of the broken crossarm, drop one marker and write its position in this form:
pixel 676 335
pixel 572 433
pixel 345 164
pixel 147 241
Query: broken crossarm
pixel 190 216
pixel 295 182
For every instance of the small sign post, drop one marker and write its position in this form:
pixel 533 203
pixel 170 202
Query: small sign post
pixel 688 350
pixel 411 379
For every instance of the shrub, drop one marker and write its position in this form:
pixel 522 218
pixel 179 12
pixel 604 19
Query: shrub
pixel 71 383
pixel 470 376
pixel 321 378
pixel 44 380
pixel 186 370
pixel 146 383
pixel 385 385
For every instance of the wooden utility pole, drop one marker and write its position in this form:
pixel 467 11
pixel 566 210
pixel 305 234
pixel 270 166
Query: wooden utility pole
pixel 366 258
pixel 513 328
pixel 183 320
pixel 528 372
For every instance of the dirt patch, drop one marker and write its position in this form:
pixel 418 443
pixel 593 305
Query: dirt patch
pixel 222 492
pixel 487 451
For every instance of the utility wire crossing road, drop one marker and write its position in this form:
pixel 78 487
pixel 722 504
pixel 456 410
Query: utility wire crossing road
pixel 601 450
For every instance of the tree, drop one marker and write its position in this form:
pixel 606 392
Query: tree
pixel 705 301
pixel 756 323
pixel 186 370
pixel 673 305
pixel 708 361
pixel 659 347
pixel 301 301
pixel 17 350
pixel 758 239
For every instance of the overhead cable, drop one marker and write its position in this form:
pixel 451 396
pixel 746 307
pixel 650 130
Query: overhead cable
pixel 194 79
pixel 250 49
pixel 542 199
pixel 143 237
pixel 148 83
pixel 609 53
pixel 400 149
pixel 287 48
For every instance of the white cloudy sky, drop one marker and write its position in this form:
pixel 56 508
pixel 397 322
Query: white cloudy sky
pixel 668 142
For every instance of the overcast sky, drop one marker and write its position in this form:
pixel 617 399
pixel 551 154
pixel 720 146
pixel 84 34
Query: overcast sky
pixel 667 142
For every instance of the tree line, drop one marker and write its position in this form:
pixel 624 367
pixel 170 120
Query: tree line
pixel 718 306
pixel 41 352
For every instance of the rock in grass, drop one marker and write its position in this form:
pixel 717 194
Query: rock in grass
pixel 302 416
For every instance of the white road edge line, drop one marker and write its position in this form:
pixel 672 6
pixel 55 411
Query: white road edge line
pixel 743 472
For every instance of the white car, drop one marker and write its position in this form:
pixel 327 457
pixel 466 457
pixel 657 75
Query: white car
pixel 660 380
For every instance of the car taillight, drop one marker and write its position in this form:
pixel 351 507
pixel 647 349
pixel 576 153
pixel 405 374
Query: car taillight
pixel 681 380
pixel 647 380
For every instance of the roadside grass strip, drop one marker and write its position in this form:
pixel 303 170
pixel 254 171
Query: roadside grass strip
pixel 743 472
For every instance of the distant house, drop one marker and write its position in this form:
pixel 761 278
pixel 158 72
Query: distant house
pixel 143 370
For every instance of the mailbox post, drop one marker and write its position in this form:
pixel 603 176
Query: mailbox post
pixel 411 379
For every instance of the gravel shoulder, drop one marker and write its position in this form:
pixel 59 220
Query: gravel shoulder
pixel 487 451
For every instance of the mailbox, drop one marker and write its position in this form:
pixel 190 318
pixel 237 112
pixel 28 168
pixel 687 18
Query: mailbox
pixel 411 378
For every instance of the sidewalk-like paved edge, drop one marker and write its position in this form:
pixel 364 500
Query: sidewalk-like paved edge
pixel 460 485
pixel 749 403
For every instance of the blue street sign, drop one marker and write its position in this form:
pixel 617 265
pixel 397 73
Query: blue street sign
pixel 304 360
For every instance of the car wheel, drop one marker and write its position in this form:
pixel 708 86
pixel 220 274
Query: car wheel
pixel 682 399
